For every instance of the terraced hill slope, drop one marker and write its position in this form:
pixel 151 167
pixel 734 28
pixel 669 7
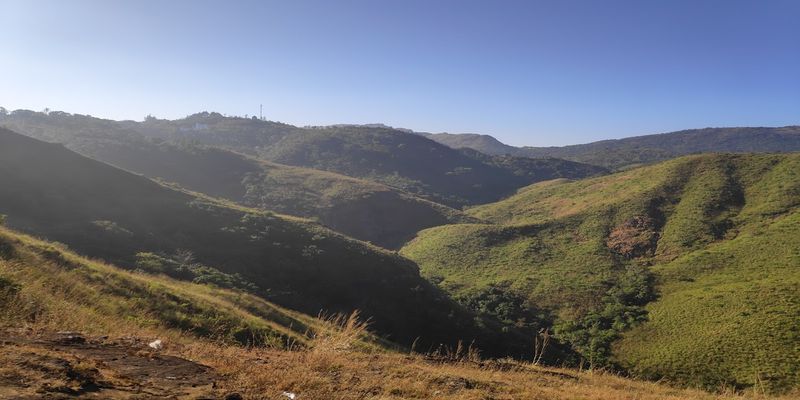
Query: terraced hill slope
pixel 693 263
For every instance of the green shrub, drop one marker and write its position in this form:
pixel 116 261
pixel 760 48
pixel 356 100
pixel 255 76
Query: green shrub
pixel 181 265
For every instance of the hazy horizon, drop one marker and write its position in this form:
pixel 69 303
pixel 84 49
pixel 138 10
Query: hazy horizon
pixel 372 123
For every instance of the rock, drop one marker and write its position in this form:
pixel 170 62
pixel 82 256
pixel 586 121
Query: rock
pixel 233 396
pixel 156 345
pixel 70 338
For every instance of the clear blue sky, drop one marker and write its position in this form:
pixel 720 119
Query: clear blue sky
pixel 528 72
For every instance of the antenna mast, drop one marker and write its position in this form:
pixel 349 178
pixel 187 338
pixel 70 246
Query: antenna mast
pixel 261 112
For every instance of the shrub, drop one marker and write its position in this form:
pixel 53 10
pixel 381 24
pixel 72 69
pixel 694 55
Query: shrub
pixel 181 265
pixel 6 249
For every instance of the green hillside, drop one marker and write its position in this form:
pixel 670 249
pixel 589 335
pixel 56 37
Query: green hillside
pixel 365 210
pixel 107 213
pixel 691 261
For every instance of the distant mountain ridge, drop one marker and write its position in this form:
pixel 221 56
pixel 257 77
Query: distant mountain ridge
pixel 484 143
pixel 617 153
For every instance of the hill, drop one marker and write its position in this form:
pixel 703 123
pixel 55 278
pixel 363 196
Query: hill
pixel 650 148
pixel 645 149
pixel 365 210
pixel 108 213
pixel 46 287
pixel 77 328
pixel 483 143
pixel 415 164
pixel 389 156
pixel 684 271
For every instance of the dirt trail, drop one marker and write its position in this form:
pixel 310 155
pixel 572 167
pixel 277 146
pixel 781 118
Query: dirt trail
pixel 68 365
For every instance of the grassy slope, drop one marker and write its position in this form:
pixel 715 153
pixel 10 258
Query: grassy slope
pixel 45 288
pixel 108 213
pixel 726 314
pixel 358 208
pixel 728 223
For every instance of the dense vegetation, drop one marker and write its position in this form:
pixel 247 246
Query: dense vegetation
pixel 642 149
pixel 692 261
pixel 108 213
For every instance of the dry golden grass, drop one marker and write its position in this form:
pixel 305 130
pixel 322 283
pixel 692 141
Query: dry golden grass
pixel 333 372
pixel 335 366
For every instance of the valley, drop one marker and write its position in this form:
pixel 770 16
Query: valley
pixel 391 200
pixel 246 230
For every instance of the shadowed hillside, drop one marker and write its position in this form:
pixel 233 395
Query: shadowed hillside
pixel 48 287
pixel 108 213
pixel 690 260
pixel 415 164
pixel 393 157
pixel 365 210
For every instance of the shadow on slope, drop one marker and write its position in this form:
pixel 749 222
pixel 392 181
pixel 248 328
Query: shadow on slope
pixel 108 213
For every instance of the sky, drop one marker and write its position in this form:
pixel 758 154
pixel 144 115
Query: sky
pixel 527 72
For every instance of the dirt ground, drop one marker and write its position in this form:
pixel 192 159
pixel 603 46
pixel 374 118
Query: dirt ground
pixel 68 365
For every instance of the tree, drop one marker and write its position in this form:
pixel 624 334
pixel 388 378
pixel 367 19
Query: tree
pixel 184 258
pixel 151 262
